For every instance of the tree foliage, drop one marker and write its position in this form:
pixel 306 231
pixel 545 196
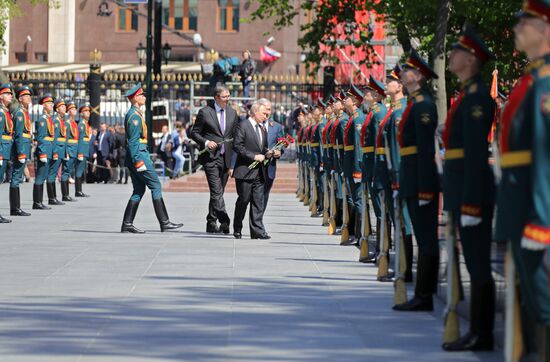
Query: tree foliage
pixel 413 23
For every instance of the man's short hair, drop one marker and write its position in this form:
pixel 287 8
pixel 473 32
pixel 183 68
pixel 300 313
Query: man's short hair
pixel 264 101
pixel 220 88
pixel 256 106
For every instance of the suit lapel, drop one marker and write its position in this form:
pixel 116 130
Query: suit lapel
pixel 215 121
pixel 254 134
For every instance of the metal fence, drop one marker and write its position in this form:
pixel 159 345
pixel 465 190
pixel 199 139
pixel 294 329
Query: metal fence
pixel 169 91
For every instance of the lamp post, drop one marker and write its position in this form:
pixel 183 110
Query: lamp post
pixel 148 77
pixel 141 53
pixel 166 53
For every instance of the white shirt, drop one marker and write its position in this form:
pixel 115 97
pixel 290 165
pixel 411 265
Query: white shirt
pixel 254 124
pixel 218 114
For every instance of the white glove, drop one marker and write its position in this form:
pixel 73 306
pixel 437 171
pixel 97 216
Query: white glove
pixel 43 159
pixel 81 158
pixel 320 168
pixel 141 168
pixel 357 180
pixel 1 162
pixel 423 202
pixel 467 220
pixel 22 160
pixel 395 193
pixel 67 158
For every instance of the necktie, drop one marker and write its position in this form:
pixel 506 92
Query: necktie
pixel 222 127
pixel 259 134
pixel 264 134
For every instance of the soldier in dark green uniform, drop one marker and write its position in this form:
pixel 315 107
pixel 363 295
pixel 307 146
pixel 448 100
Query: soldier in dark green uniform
pixel 299 155
pixel 316 154
pixel 22 137
pixel 44 137
pixel 374 97
pixel 523 207
pixel 324 167
pixel 58 150
pixel 83 150
pixel 418 178
pixel 141 168
pixel 337 139
pixel 353 155
pixel 71 151
pixel 468 184
pixel 6 130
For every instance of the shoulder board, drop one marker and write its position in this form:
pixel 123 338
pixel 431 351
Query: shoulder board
pixel 419 98
pixel 544 71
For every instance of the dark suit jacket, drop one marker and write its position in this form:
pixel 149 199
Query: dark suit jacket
pixel 106 147
pixel 207 127
pixel 274 132
pixel 246 146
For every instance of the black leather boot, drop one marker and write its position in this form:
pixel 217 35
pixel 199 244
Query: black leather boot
pixel 4 220
pixel 78 188
pixel 65 191
pixel 128 220
pixel 424 290
pixel 15 203
pixel 37 197
pixel 52 198
pixel 482 317
pixel 162 216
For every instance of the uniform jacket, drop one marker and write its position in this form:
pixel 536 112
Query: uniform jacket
pixel 73 136
pixel 352 144
pixel 45 131
pixel 368 139
pixel 7 128
pixel 136 135
pixel 84 134
pixel 22 135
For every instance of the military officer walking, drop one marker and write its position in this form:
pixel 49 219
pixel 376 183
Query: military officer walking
pixel 141 168
pixel 71 149
pixel 58 150
pixel 44 137
pixel 83 150
pixel 22 137
pixel 468 184
pixel 523 207
pixel 6 129
pixel 418 178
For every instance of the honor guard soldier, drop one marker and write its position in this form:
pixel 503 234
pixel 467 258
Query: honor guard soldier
pixel 71 151
pixel 306 155
pixel 418 178
pixel 523 207
pixel 324 167
pixel 83 150
pixel 60 138
pixel 338 154
pixel 335 216
pixel 374 97
pixel 141 168
pixel 22 137
pixel 6 129
pixel 468 184
pixel 316 155
pixel 353 155
pixel 301 189
pixel 44 137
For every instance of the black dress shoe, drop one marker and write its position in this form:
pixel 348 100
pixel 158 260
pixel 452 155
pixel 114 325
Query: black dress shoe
pixel 130 228
pixel 470 342
pixel 416 304
pixel 224 228
pixel 263 236
pixel 212 229
pixel 19 212
pixel 237 235
pixel 170 226
pixel 4 220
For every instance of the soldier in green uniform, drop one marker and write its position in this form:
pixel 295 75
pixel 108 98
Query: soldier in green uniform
pixel 468 184
pixel 44 137
pixel 68 164
pixel 324 166
pixel 22 137
pixel 83 149
pixel 329 167
pixel 60 138
pixel 317 153
pixel 418 178
pixel 141 168
pixel 374 98
pixel 300 192
pixel 523 207
pixel 353 156
pixel 337 139
pixel 6 130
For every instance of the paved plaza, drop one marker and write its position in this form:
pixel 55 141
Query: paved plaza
pixel 72 288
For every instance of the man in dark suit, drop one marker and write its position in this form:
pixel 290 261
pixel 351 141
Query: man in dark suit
pixel 250 145
pixel 274 131
pixel 215 124
pixel 104 149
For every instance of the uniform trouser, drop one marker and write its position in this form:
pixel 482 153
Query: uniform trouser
pixel 80 167
pixel 53 169
pixel 41 173
pixel 3 169
pixel 67 168
pixel 424 223
pixel 355 203
pixel 320 194
pixel 375 199
pixel 17 170
pixel 533 268
pixel 147 178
